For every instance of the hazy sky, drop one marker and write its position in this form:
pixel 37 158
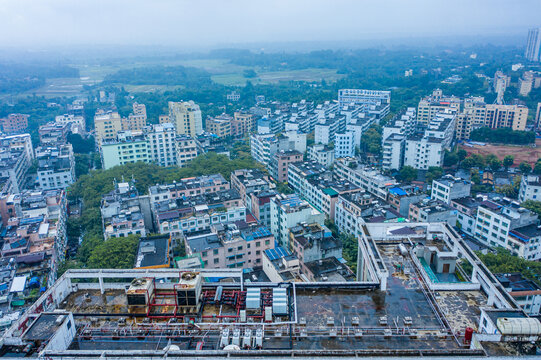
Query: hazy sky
pixel 221 22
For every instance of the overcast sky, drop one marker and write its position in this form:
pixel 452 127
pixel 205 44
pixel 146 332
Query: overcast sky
pixel 42 23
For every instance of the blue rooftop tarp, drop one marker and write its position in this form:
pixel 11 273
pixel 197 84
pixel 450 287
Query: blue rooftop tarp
pixel 397 191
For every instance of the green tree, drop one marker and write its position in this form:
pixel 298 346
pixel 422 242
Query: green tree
pixel 532 205
pixel 408 173
pixel 349 250
pixel 537 168
pixel 462 154
pixel 493 162
pixel 504 262
pixel 508 161
pixel 525 168
pixel 433 172
pixel 115 253
pixel 450 158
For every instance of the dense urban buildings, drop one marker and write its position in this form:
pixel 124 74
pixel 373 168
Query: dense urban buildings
pixel 186 117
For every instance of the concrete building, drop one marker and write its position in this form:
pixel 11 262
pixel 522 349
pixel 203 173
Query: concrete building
pixel 54 133
pixel 289 210
pixel 20 142
pixel 186 150
pixel 448 188
pixel 219 125
pixel 495 221
pixel 260 206
pixel 77 122
pixel 280 265
pixel 344 144
pixel 280 163
pixel 538 116
pixel 264 147
pixel 124 212
pixel 366 177
pixel 14 123
pixel 322 154
pixel 162 145
pixel 432 211
pixel 126 148
pixel 313 183
pixel 525 83
pixel 313 242
pixel 107 124
pixel 362 97
pixel 402 196
pixel 189 187
pixel 466 213
pixel 530 188
pixel 243 123
pixel 533 45
pixel 186 117
pixel 525 292
pixel 14 165
pixel 228 246
pixel 248 181
pixel 56 166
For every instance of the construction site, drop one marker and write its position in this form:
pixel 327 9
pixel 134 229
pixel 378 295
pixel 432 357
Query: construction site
pixel 394 309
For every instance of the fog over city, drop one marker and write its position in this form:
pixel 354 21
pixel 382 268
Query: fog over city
pixel 43 23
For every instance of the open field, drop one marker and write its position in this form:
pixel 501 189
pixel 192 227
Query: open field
pixel 530 154
pixel 272 77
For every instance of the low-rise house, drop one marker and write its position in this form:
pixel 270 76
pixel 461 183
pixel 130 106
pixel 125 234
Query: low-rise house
pixel 432 211
pixel 449 188
pixel 230 245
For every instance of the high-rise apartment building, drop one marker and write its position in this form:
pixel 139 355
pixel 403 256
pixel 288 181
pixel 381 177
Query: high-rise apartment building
pixel 219 125
pixel 242 123
pixel 107 125
pixel 186 117
pixel 162 144
pixel 472 113
pixel 525 83
pixel 533 45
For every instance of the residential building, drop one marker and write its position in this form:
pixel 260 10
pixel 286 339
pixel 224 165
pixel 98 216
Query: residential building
pixel 127 148
pixel 434 104
pixel 402 196
pixel 54 133
pixel 14 123
pixel 280 265
pixel 313 183
pixel 247 181
pixel 243 123
pixel 466 213
pixel 35 234
pixel 525 242
pixel 230 246
pixel 394 136
pixel 263 147
pixel 495 221
pixel 500 84
pixel 153 252
pixel 530 188
pixel 313 242
pixel 525 292
pixel 162 144
pixel 233 96
pixel 352 210
pixel 162 119
pixel 525 83
pixel 186 117
pixel 219 125
pixel 322 154
pixel 14 165
pixel 189 187
pixel 448 188
pixel 533 45
pixel 344 144
pixel 20 142
pixel 432 211
pixel 260 206
pixel 56 166
pixel 280 163
pixel 366 177
pixel 124 212
pixel 289 210
pixel 179 219
pixel 107 124
pixel 186 149
pixel 329 269
pixel 77 122
pixel 361 96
